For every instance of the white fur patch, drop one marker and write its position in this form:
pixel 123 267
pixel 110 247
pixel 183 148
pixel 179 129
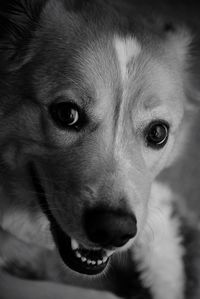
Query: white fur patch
pixel 159 251
pixel 28 228
pixel 126 49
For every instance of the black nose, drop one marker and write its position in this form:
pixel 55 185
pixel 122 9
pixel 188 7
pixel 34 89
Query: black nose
pixel 109 228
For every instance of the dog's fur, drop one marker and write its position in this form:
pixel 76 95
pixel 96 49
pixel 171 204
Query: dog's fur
pixel 124 73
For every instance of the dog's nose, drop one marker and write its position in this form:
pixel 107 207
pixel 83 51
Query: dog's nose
pixel 109 228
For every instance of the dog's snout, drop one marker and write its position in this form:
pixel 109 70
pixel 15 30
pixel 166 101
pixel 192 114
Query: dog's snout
pixel 109 228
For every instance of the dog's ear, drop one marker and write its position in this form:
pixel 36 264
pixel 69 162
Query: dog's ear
pixel 18 20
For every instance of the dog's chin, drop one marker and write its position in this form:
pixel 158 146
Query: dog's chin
pixel 76 256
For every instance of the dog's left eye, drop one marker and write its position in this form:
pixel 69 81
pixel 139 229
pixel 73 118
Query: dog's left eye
pixel 156 134
pixel 66 115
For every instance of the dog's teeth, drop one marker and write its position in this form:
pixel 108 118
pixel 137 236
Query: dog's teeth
pixel 78 255
pixel 74 244
pixel 105 259
pixel 109 253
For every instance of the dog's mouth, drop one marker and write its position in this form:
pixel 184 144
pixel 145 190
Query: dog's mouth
pixel 76 256
pixel 83 260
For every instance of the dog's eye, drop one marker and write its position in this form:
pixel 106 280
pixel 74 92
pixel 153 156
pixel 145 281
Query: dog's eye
pixel 66 115
pixel 156 134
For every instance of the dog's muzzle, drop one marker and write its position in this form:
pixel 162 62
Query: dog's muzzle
pixel 104 229
pixel 79 258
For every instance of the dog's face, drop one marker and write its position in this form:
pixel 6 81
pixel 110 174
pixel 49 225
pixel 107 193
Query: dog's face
pixel 98 108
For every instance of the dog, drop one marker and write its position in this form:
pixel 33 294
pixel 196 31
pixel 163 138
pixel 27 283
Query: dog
pixel 93 105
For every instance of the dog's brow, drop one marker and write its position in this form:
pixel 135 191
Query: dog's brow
pixel 83 97
pixel 152 102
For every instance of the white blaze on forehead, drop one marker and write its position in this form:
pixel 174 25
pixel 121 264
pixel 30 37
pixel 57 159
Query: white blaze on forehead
pixel 126 49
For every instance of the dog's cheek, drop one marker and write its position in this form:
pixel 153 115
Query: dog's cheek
pixel 157 160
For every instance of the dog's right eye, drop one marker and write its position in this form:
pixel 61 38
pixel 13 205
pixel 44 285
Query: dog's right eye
pixel 67 115
pixel 156 134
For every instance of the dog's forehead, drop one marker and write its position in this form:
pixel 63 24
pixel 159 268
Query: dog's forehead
pixel 123 71
pixel 104 62
pixel 104 68
pixel 107 65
